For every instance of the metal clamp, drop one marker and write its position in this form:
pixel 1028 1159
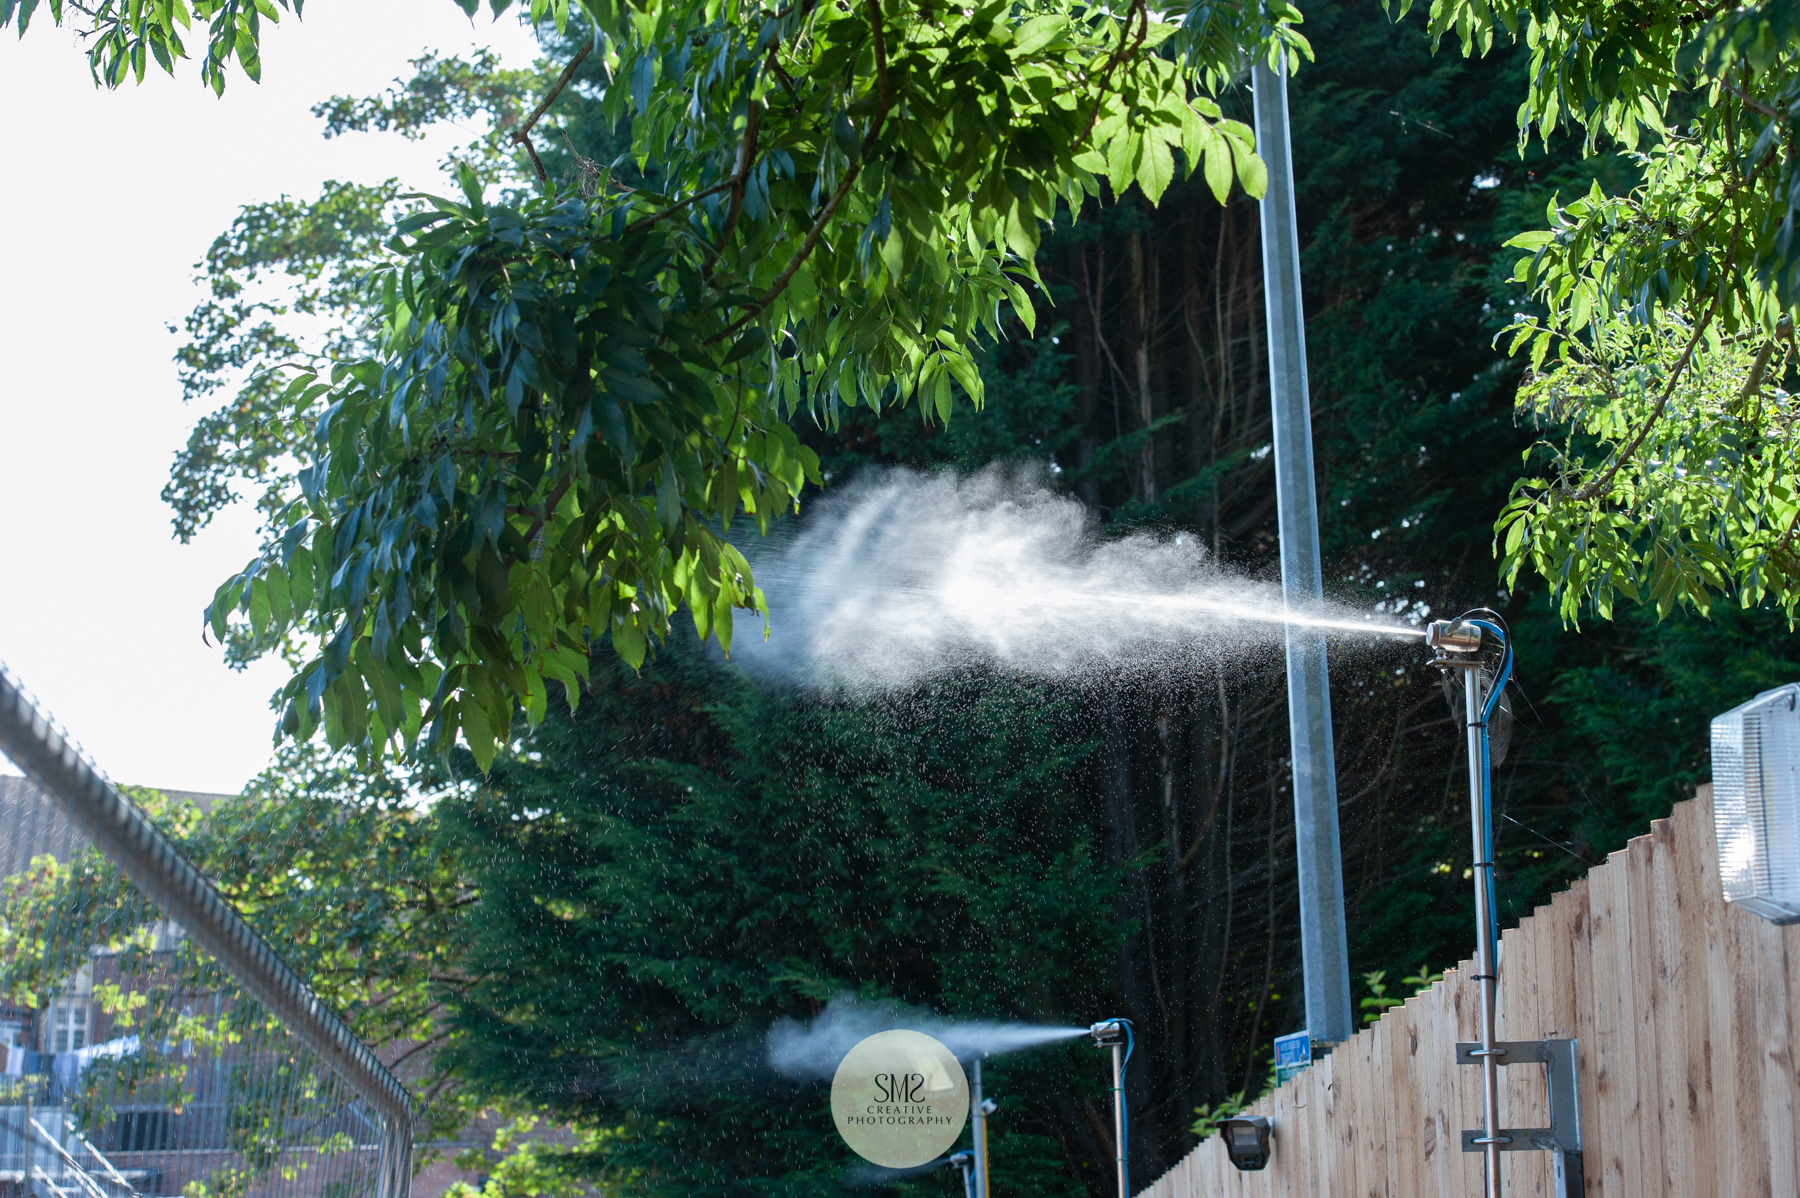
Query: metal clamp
pixel 1563 1136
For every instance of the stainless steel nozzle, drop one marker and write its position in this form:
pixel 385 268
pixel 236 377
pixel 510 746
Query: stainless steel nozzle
pixel 1453 636
pixel 1107 1032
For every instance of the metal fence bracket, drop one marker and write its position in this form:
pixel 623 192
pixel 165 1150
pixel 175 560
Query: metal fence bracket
pixel 1563 1136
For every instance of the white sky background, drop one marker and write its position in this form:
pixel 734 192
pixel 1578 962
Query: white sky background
pixel 108 201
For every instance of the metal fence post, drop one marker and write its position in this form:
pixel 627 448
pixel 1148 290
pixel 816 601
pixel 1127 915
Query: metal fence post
pixel 1324 949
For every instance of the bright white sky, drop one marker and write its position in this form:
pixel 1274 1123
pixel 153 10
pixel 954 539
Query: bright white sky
pixel 110 199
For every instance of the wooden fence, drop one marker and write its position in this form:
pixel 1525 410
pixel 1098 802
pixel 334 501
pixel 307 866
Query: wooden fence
pixel 1685 1012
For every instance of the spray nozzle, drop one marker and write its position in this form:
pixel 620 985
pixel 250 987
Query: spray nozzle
pixel 1107 1033
pixel 1453 636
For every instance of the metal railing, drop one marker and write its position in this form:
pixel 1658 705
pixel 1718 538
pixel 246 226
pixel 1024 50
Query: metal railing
pixel 152 862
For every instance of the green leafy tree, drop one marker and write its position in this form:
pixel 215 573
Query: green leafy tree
pixel 572 397
pixel 1662 347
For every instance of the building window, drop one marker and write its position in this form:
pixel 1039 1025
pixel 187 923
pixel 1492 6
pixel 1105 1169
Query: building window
pixel 69 1026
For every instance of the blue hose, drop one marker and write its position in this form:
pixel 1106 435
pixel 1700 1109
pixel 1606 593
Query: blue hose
pixel 1487 780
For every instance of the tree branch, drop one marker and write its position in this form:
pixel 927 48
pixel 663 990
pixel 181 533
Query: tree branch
pixel 550 505
pixel 1137 9
pixel 672 209
pixel 740 177
pixel 522 135
pixel 1599 485
pixel 843 189
pixel 1748 102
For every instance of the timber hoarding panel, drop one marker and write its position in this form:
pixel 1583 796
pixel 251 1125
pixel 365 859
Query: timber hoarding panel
pixel 1685 1010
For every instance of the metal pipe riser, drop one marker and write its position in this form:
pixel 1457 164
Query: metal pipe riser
pixel 1484 951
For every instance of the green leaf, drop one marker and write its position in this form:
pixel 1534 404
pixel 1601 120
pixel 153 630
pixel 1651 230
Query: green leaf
pixel 1156 170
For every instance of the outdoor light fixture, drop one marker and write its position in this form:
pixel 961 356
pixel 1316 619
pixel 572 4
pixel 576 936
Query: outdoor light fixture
pixel 1756 803
pixel 1116 1035
pixel 1247 1141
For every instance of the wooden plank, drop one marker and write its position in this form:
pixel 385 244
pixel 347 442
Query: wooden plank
pixel 1556 964
pixel 1581 962
pixel 1630 1092
pixel 1776 1043
pixel 1291 1139
pixel 1465 1081
pixel 1733 1166
pixel 1423 1067
pixel 1556 953
pixel 1790 942
pixel 1690 993
pixel 1403 1126
pixel 1612 1075
pixel 1378 1176
pixel 1305 1116
pixel 1436 1043
pixel 1521 1086
pixel 1214 1174
pixel 1667 1016
pixel 1325 1098
pixel 1287 1119
pixel 1318 1136
pixel 1750 1129
pixel 1352 1092
pixel 1641 965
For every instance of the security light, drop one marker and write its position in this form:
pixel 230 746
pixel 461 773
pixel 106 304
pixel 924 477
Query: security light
pixel 1756 803
pixel 1247 1141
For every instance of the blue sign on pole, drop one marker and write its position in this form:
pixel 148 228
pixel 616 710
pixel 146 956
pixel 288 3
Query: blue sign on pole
pixel 1292 1054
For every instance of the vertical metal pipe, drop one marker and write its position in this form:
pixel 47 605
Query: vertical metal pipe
pixel 30 1186
pixel 979 1129
pixel 1324 947
pixel 1119 1119
pixel 1484 943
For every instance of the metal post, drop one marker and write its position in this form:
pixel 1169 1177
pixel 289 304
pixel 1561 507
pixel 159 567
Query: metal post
pixel 28 1186
pixel 1119 1118
pixel 1484 939
pixel 979 1128
pixel 965 1163
pixel 1324 946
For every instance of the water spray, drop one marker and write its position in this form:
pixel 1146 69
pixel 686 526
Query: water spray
pixel 1458 644
pixel 901 577
pixel 1116 1035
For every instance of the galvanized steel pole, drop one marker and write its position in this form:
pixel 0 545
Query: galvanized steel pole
pixel 1324 949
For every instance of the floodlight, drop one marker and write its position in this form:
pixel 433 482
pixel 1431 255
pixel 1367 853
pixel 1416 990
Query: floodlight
pixel 1756 803
pixel 1247 1141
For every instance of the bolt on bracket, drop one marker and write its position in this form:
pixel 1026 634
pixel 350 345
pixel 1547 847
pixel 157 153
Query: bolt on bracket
pixel 1563 1136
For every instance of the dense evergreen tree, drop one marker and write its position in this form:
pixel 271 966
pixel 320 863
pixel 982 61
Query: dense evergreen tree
pixel 690 859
